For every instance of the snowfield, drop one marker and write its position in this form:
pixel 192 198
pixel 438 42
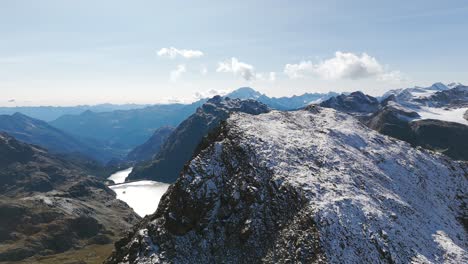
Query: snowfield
pixel 307 186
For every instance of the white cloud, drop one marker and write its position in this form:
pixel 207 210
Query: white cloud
pixel 342 66
pixel 203 70
pixel 210 93
pixel 175 74
pixel 238 68
pixel 173 53
pixel 272 76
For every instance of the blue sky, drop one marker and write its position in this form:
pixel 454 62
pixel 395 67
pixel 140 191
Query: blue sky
pixel 74 52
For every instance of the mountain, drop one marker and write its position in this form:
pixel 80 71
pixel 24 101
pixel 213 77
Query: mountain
pixel 356 102
pixel 183 141
pixel 49 113
pixel 308 186
pixel 454 98
pixel 431 117
pixel 151 147
pixel 123 130
pixel 408 94
pixel 281 103
pixel 38 132
pixel 49 206
pixel 399 122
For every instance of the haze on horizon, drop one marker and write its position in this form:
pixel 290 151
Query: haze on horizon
pixel 89 52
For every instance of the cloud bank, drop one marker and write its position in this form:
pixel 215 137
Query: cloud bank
pixel 173 53
pixel 342 66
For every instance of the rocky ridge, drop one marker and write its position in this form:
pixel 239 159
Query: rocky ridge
pixel 311 186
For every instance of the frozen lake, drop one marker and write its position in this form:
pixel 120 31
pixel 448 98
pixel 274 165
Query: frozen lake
pixel 142 196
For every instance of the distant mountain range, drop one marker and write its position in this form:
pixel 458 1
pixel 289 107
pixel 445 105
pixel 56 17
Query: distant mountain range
pixel 112 135
pixel 123 130
pixel 40 133
pixel 49 113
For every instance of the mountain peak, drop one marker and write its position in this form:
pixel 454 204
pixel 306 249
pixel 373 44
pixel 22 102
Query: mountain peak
pixel 439 86
pixel 244 93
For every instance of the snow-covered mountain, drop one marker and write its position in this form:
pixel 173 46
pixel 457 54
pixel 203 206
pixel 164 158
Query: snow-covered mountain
pixel 439 101
pixel 432 117
pixel 309 186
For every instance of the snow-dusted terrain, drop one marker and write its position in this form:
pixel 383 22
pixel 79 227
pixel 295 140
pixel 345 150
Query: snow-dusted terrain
pixel 142 196
pixel 312 186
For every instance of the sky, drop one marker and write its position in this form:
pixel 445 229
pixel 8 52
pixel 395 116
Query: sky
pixel 88 52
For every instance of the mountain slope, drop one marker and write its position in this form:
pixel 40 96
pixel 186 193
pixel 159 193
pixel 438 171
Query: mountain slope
pixel 123 130
pixel 38 132
pixel 151 147
pixel 311 186
pixel 181 144
pixel 50 206
pixel 49 113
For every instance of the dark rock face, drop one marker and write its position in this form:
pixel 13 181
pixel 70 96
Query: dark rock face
pixel 466 115
pixel 151 147
pixel 181 144
pixel 48 205
pixel 356 102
